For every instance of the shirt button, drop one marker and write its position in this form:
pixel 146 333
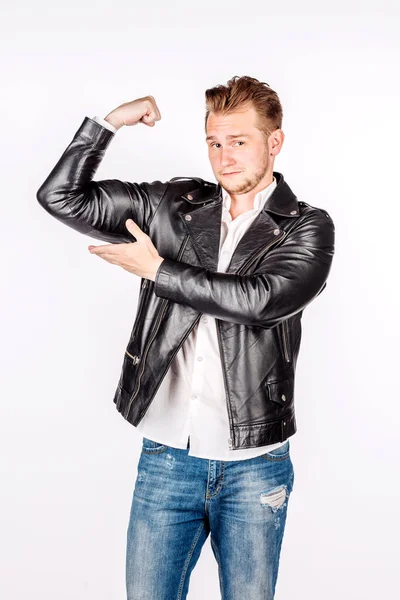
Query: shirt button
pixel 199 358
pixel 194 396
pixel 204 320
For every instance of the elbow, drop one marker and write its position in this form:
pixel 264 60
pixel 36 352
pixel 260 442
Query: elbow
pixel 42 197
pixel 54 203
pixel 47 203
pixel 45 199
pixel 280 309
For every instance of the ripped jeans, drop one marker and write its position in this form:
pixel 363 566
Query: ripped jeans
pixel 179 499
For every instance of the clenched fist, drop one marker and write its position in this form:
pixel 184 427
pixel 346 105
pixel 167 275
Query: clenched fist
pixel 143 110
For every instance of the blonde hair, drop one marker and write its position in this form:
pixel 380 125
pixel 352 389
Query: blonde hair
pixel 240 92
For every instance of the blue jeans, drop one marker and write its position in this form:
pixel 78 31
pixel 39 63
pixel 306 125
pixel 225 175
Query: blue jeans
pixel 179 499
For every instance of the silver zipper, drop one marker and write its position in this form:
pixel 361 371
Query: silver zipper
pixel 247 264
pixel 156 327
pixel 144 286
pixel 285 337
pixel 140 308
pixel 135 359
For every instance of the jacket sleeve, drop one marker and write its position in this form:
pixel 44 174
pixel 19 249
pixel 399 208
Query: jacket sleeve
pixel 288 278
pixel 96 208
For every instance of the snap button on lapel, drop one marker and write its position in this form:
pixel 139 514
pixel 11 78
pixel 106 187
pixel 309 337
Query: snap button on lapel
pixel 276 231
pixel 189 197
pixel 188 217
pixel 283 397
pixel 293 212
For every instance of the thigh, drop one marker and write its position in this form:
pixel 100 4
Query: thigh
pixel 247 523
pixel 167 524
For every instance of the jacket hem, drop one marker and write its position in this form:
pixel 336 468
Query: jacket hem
pixel 245 436
pixel 255 435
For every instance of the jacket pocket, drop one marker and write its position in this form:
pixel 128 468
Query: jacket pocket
pixel 129 372
pixel 281 392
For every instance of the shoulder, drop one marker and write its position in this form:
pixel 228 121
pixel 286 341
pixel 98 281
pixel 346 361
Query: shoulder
pixel 308 211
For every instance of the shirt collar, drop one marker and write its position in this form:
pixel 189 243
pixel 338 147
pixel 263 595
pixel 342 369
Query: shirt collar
pixel 259 199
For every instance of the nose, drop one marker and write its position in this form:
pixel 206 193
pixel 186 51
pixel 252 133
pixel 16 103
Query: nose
pixel 226 158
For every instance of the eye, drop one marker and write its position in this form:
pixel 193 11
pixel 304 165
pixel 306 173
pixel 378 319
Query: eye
pixel 217 144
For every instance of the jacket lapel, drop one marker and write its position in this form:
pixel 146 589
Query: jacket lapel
pixel 203 224
pixel 259 234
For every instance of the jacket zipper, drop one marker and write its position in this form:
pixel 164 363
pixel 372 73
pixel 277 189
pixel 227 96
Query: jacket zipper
pixel 156 327
pixel 285 337
pixel 135 359
pixel 225 381
pixel 139 314
pixel 245 266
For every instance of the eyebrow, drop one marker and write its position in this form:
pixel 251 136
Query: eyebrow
pixel 228 137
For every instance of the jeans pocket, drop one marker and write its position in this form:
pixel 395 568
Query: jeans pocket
pixel 152 447
pixel 280 453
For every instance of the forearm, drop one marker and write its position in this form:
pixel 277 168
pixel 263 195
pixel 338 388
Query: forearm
pixel 244 299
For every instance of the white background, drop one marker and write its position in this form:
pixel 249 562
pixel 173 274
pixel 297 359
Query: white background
pixel 68 459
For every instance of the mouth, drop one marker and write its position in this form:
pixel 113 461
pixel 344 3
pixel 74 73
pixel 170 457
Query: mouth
pixel 232 173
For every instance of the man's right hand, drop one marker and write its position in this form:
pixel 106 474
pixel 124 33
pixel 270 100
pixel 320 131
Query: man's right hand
pixel 143 110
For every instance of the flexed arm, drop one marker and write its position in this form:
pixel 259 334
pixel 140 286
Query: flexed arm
pixel 101 208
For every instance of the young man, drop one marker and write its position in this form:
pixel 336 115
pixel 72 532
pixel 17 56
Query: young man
pixel 226 271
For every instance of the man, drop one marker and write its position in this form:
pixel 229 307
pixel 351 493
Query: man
pixel 227 269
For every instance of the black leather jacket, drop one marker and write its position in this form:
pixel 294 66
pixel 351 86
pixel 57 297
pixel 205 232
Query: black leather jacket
pixel 278 267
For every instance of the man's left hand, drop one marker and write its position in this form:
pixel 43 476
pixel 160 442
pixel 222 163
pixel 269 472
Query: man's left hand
pixel 140 258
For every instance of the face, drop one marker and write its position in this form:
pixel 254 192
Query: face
pixel 240 156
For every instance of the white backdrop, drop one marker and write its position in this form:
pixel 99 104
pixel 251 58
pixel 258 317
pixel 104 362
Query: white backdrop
pixel 68 459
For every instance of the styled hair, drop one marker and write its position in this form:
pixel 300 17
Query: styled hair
pixel 242 92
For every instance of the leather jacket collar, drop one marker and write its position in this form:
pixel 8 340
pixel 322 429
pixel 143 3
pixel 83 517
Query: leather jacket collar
pixel 282 201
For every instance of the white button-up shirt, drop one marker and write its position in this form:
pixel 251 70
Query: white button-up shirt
pixel 191 400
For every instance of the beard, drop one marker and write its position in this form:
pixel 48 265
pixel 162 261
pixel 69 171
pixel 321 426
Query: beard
pixel 250 182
